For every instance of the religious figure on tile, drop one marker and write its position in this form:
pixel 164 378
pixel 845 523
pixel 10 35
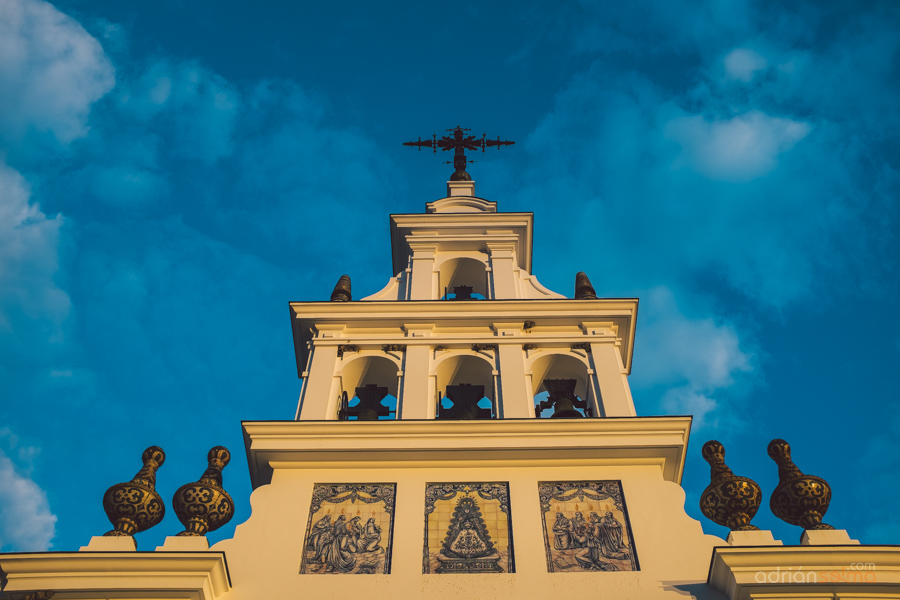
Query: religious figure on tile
pixel 573 544
pixel 562 532
pixel 337 555
pixel 371 537
pixel 579 531
pixel 609 534
pixel 337 542
pixel 321 527
pixel 467 528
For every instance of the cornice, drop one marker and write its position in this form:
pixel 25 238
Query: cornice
pixel 203 575
pixel 746 572
pixel 622 312
pixel 492 310
pixel 657 441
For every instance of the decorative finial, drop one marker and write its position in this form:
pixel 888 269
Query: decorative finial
pixel 583 288
pixel 459 142
pixel 728 500
pixel 204 506
pixel 341 291
pixel 798 499
pixel 135 506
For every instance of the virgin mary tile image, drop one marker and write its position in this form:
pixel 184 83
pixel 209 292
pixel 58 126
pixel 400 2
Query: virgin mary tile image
pixel 467 528
pixel 575 543
pixel 350 529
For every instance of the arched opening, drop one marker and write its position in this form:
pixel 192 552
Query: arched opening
pixel 465 387
pixel 368 390
pixel 463 279
pixel 562 387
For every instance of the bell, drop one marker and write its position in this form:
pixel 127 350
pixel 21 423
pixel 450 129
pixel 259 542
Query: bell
pixel 564 408
pixel 562 397
pixel 465 398
pixel 370 407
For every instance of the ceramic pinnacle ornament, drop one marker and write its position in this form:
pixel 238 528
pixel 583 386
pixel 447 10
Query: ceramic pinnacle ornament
pixel 134 506
pixel 204 506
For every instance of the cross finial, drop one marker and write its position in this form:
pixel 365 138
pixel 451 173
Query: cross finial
pixel 459 142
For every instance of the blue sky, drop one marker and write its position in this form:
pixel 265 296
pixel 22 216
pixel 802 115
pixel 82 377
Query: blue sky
pixel 173 173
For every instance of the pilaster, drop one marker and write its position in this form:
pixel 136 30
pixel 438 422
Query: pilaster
pixel 318 399
pixel 515 403
pixel 615 395
pixel 503 267
pixel 423 283
pixel 415 401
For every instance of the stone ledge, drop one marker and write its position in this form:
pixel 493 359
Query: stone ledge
pixel 826 537
pixel 184 543
pixel 656 441
pixel 846 571
pixel 125 574
pixel 762 537
pixel 112 543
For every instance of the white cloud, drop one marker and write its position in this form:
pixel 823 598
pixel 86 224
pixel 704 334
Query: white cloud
pixel 738 149
pixel 694 358
pixel 685 401
pixel 200 106
pixel 169 110
pixel 26 522
pixel 51 71
pixel 743 63
pixel 676 349
pixel 29 242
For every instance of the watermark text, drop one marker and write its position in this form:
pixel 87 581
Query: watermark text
pixel 853 573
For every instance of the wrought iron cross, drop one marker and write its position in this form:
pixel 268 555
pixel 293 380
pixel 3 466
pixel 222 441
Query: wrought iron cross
pixel 459 142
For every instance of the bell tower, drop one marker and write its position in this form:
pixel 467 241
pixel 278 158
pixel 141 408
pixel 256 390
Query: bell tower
pixel 467 430
pixel 463 309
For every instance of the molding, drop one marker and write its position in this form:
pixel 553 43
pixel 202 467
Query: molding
pixel 195 575
pixel 616 314
pixel 618 441
pixel 805 572
pixel 456 203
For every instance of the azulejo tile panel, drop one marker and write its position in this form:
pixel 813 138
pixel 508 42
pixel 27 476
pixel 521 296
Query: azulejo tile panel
pixel 350 529
pixel 575 543
pixel 467 528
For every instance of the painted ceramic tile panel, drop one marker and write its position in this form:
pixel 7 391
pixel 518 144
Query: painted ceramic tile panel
pixel 350 528
pixel 467 528
pixel 586 527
